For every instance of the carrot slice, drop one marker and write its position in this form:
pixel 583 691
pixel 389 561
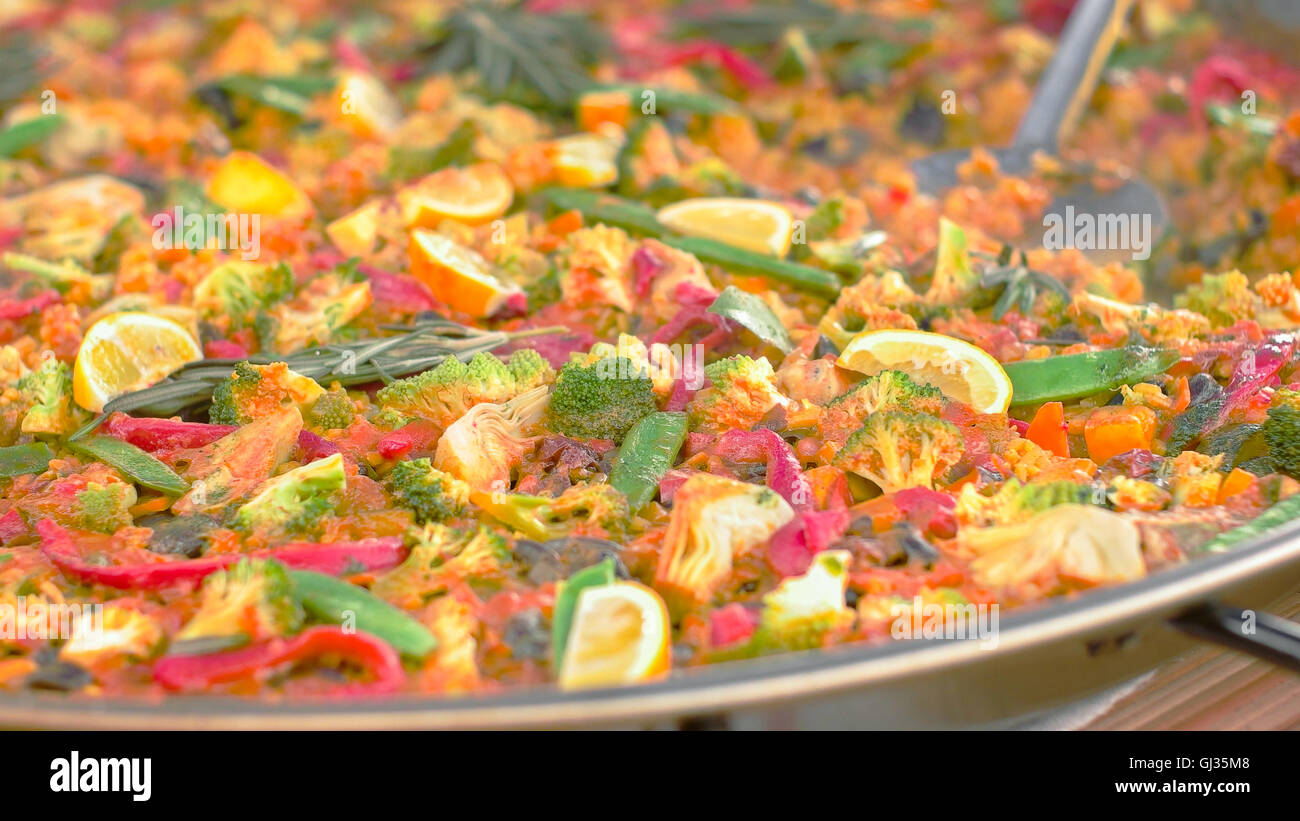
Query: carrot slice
pixel 1048 431
pixel 1115 429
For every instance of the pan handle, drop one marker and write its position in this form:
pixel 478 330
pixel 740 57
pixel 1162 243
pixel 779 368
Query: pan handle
pixel 1262 635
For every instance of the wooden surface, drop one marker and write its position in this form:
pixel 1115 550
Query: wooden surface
pixel 1212 689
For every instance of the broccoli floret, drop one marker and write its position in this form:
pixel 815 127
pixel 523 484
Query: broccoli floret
pixel 249 601
pixel 445 393
pixel 898 450
pixel 105 507
pixel 320 309
pixel 888 390
pixel 1039 496
pixel 1222 298
pixel 237 291
pixel 292 503
pixel 1282 432
pixel 1016 501
pixel 439 557
pixel 955 282
pixel 583 507
pixel 743 390
pixel 255 391
pixel 602 400
pixel 48 391
pixel 332 410
pixel 432 495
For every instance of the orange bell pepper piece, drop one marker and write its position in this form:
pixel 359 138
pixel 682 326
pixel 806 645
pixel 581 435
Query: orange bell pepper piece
pixel 1115 429
pixel 1234 484
pixel 1048 431
pixel 598 107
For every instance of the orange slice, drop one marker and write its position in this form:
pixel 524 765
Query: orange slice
pixel 457 275
pixel 472 196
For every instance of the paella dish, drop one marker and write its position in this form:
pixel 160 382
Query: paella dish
pixel 351 350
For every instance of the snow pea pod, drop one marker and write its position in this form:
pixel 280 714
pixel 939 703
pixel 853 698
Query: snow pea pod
pixel 19 460
pixel 647 453
pixel 134 462
pixel 331 599
pixel 1082 374
pixel 1277 515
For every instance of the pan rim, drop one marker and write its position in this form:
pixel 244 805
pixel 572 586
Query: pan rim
pixel 713 688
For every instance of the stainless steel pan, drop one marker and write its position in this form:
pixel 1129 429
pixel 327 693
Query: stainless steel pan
pixel 1046 656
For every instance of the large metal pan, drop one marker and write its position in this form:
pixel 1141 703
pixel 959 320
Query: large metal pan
pixel 1046 656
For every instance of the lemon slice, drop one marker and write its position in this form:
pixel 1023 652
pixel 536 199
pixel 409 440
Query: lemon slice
pixel 585 160
pixel 959 369
pixel 619 636
pixel 128 351
pixel 755 225
pixel 368 107
pixel 245 183
pixel 472 196
pixel 457 275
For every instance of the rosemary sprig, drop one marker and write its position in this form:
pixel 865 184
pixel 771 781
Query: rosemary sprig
pixel 824 24
pixel 511 47
pixel 415 348
pixel 1020 284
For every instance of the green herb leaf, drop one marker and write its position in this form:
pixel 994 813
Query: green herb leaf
pixel 29 132
pixel 752 313
pixel 406 163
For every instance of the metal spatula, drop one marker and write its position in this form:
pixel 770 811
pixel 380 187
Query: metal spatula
pixel 1060 97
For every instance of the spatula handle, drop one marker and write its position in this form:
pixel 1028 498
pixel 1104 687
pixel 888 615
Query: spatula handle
pixel 1071 76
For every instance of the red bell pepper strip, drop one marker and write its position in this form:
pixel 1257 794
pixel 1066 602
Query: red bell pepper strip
pixel 154 435
pixel 405 293
pixel 784 471
pixel 12 527
pixel 377 657
pixel 19 308
pixel 337 558
pixel 224 349
pixel 731 624
pixel 791 549
pixel 932 511
pixel 163 434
